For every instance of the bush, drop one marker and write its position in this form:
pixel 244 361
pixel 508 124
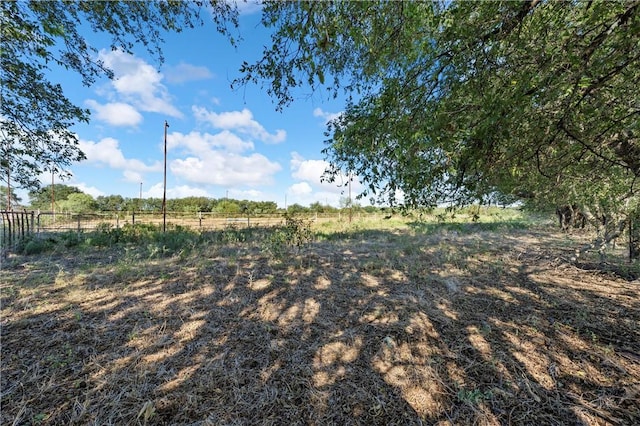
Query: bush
pixel 35 245
pixel 71 239
pixel 296 233
pixel 103 236
pixel 177 240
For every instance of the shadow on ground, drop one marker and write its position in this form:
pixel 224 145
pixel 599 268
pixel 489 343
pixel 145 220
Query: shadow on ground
pixel 413 327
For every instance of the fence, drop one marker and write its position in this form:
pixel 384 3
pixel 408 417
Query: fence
pixel 17 225
pixel 14 226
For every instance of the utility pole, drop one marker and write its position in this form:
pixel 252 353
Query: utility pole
pixel 350 202
pixel 8 188
pixel 53 195
pixel 164 191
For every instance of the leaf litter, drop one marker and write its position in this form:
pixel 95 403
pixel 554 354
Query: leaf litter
pixel 404 328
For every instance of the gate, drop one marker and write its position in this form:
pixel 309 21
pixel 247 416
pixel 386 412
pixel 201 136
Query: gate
pixel 14 227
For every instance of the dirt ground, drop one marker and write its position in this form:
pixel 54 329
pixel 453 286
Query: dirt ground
pixel 380 328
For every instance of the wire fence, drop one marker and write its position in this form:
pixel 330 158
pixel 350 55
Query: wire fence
pixel 17 225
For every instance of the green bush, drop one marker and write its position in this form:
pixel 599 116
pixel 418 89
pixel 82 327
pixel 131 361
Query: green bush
pixel 35 245
pixel 139 232
pixel 102 236
pixel 71 239
pixel 174 241
pixel 295 233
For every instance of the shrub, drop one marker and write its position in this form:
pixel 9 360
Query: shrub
pixel 71 239
pixel 35 245
pixel 295 233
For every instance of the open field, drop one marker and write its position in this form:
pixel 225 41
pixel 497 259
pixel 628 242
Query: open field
pixel 407 324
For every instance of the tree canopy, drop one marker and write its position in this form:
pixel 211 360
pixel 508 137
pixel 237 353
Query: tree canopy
pixel 453 101
pixel 42 198
pixel 35 114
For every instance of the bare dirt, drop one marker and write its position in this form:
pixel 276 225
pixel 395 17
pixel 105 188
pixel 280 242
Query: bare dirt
pixel 382 328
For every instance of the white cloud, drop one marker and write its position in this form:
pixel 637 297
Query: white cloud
pixel 226 169
pixel 156 191
pixel 307 170
pixel 138 82
pixel 115 113
pixel 91 190
pixel 184 72
pixel 301 188
pixel 186 191
pixel 311 171
pixel 196 142
pixel 132 176
pixel 240 121
pixel 327 116
pixel 107 152
pixel 250 194
pixel 219 160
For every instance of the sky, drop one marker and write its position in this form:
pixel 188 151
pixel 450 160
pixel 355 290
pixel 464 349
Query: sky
pixel 221 142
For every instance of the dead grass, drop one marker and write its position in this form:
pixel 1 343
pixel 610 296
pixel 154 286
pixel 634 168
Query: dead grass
pixel 400 327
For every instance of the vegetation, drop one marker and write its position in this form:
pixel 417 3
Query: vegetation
pixel 8 200
pixel 398 321
pixel 441 95
pixel 465 101
pixel 42 198
pixel 70 198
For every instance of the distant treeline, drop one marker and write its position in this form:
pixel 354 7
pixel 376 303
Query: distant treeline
pixel 70 198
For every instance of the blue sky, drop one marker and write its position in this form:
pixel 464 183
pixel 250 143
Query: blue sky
pixel 220 142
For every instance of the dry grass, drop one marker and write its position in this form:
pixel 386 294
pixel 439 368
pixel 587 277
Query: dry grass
pixel 390 327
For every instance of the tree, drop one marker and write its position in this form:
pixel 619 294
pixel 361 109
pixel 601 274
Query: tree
pixel 109 203
pixel 265 207
pixel 316 207
pixel 35 114
pixel 228 207
pixel 453 101
pixel 297 209
pixel 4 199
pixel 79 203
pixel 42 198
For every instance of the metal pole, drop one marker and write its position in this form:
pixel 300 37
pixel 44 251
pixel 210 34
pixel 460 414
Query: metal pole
pixel 164 191
pixel 53 196
pixel 8 188
pixel 350 203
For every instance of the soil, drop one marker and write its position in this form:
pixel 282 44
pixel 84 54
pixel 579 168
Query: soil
pixel 380 328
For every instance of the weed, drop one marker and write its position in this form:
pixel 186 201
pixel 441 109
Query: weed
pixel 39 418
pixel 473 396
pixel 232 234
